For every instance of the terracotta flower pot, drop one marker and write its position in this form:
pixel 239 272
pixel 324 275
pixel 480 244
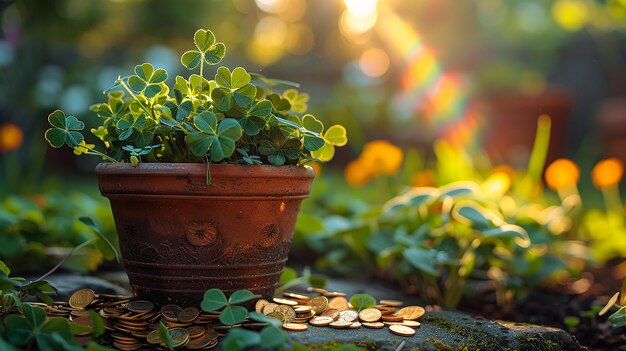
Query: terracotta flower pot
pixel 180 237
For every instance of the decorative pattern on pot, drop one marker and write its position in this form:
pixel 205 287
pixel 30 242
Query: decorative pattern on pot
pixel 201 234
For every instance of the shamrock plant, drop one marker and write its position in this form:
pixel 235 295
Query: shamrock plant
pixel 230 117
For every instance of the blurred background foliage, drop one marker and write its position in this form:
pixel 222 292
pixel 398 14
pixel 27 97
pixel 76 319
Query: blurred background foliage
pixel 432 92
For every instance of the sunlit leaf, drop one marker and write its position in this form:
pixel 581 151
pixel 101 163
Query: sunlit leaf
pixel 241 296
pixel 233 315
pixel 213 300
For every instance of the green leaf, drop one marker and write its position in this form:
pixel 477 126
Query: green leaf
pixel 152 90
pixel 239 339
pixel 336 135
pixel 165 336
pixel 252 125
pixel 228 132
pixel 65 130
pixel 618 319
pixel 35 315
pixel 313 124
pixel 278 103
pixel 215 54
pixel 223 77
pixel 272 337
pixel 423 260
pixel 472 214
pixel 136 83
pixel 144 71
pixel 241 296
pixel 4 269
pixel 239 78
pixel 309 224
pixel 509 231
pixel 18 330
pixel 199 143
pixel 259 317
pixel 362 301
pixel 287 275
pixel 204 39
pixel 233 315
pixel 325 153
pixel 223 99
pixel 298 101
pixel 184 110
pixel 313 143
pixel 159 76
pixel 191 59
pixel 213 300
pixel 245 95
pixel 93 225
pixel 262 109
pixel 5 346
pixel 98 323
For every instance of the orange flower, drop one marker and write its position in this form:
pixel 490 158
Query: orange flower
pixel 424 178
pixel 381 157
pixel 356 173
pixel 11 137
pixel 607 173
pixel 561 174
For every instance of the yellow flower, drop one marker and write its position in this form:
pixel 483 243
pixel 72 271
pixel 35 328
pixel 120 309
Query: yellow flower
pixel 570 14
pixel 356 173
pixel 83 148
pixel 11 137
pixel 607 173
pixel 381 157
pixel 561 174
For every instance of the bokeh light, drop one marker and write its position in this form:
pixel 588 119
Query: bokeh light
pixel 374 62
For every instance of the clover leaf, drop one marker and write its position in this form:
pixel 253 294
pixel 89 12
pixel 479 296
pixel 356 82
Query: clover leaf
pixel 128 124
pixel 256 118
pixel 66 130
pixel 362 301
pixel 336 135
pixel 279 148
pixel 217 140
pixel 214 299
pixel 147 80
pixel 209 50
pixel 297 100
pixel 233 88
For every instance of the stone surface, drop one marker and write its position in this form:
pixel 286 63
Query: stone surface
pixel 66 284
pixel 444 330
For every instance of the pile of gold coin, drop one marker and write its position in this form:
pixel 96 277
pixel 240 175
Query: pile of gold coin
pixel 133 324
pixel 332 309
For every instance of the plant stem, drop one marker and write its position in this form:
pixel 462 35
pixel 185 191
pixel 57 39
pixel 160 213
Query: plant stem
pixel 145 108
pixel 201 71
pixel 98 153
pixel 55 268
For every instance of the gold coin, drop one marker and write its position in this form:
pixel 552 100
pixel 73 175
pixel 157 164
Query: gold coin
pixel 200 343
pixel 153 338
pixel 331 312
pixel 392 318
pixel 370 315
pixel 296 296
pixel 317 290
pixel 82 298
pixel 402 330
pixel 386 310
pixel 391 303
pixel 321 321
pixel 319 304
pixel 411 312
pixel 170 312
pixel 295 327
pixel 269 308
pixel 348 315
pixel 125 347
pixel 412 324
pixel 335 294
pixel 339 303
pixel 285 301
pixel 287 311
pixel 84 322
pixel 374 325
pixel 258 307
pixel 188 315
pixel 302 309
pixel 195 331
pixel 180 336
pixel 140 306
pixel 278 315
pixel 355 325
pixel 340 324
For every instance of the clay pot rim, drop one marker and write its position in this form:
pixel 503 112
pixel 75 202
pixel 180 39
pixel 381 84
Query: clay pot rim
pixel 217 170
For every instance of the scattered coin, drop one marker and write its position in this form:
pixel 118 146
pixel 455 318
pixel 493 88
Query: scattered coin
pixel 285 302
pixel 321 321
pixel 349 315
pixel 260 304
pixel 179 336
pixel 391 303
pixel 411 312
pixel 374 325
pixel 170 312
pixel 296 296
pixel 195 331
pixel 82 298
pixel 269 308
pixel 340 324
pixel 355 325
pixel 140 306
pixel 188 315
pixel 412 324
pixel 319 304
pixel 402 330
pixel 288 313
pixel 392 318
pixel 295 326
pixel 370 315
pixel 339 303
